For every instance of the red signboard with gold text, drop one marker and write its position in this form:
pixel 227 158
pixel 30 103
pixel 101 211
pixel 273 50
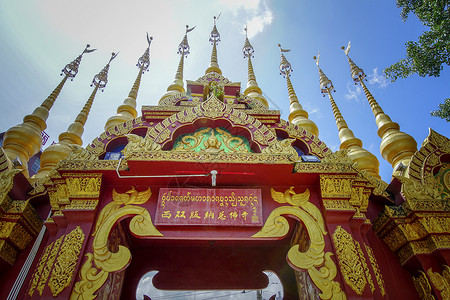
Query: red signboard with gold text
pixel 216 207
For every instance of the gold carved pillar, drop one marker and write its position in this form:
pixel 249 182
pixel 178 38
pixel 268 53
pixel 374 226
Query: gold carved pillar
pixel 345 200
pixel 73 198
pixel 19 222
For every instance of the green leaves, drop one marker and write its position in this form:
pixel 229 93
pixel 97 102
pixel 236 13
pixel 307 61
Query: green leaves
pixel 428 55
pixel 444 110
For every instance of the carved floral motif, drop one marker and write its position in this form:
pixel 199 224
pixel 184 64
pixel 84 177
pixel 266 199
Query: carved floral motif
pixel 319 264
pixel 349 260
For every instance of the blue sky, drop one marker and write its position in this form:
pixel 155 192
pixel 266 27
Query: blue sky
pixel 37 39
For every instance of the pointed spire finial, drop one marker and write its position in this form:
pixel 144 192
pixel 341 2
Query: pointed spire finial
pixel 248 48
pixel 357 73
pixel 252 89
pixel 396 146
pixel 326 86
pixel 25 140
pixel 214 38
pixel 71 69
pixel 183 47
pixel 101 79
pixel 298 116
pixel 144 61
pixel 127 111
pixel 285 66
pixel 365 160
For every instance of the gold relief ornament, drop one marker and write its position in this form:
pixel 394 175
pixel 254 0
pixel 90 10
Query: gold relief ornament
pixel 349 260
pixel 38 269
pixel 414 190
pixel 66 261
pixel 79 153
pixel 137 143
pixel 211 143
pixel 101 262
pixel 319 265
pixel 6 181
pixel 423 286
pixel 338 157
pixel 376 269
pixel 283 147
pixel 335 186
pixel 48 265
pixel 83 186
pixel 441 282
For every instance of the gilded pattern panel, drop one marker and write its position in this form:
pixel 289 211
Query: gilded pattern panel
pixel 441 282
pixel 336 186
pixel 349 262
pixel 66 262
pixel 39 268
pixel 423 287
pixel 376 269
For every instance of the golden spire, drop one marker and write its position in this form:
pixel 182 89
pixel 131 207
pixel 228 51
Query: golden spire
pixel 58 151
pixel 214 39
pixel 24 140
pixel 365 160
pixel 127 111
pixel 177 84
pixel 396 146
pixel 298 115
pixel 252 89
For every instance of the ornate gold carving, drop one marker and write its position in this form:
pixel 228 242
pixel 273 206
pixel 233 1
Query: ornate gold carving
pixel 364 264
pixel 283 147
pixel 81 204
pixel 376 269
pixel 212 140
pixel 336 186
pixel 66 262
pixel 39 268
pixel 338 157
pixel 425 246
pixel 57 194
pixel 423 286
pixel 301 167
pixel 102 261
pixel 91 165
pixel 314 257
pixel 441 282
pixel 7 252
pixel 138 143
pixel 351 266
pixel 6 181
pixel 246 158
pixel 83 185
pixel 91 280
pixel 47 266
pixel 79 153
pixel 336 204
pixel 15 233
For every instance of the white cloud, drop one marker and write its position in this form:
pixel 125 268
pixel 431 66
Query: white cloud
pixel 376 79
pixel 259 22
pixel 353 92
pixel 255 13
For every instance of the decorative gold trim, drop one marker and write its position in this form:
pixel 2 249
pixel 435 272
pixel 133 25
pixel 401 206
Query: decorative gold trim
pixel 423 286
pixel 66 262
pixel 314 257
pixel 376 269
pixel 101 261
pixel 441 282
pixel 349 260
pixel 48 265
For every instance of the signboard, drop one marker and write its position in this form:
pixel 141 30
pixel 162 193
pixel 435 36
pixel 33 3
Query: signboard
pixel 214 207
